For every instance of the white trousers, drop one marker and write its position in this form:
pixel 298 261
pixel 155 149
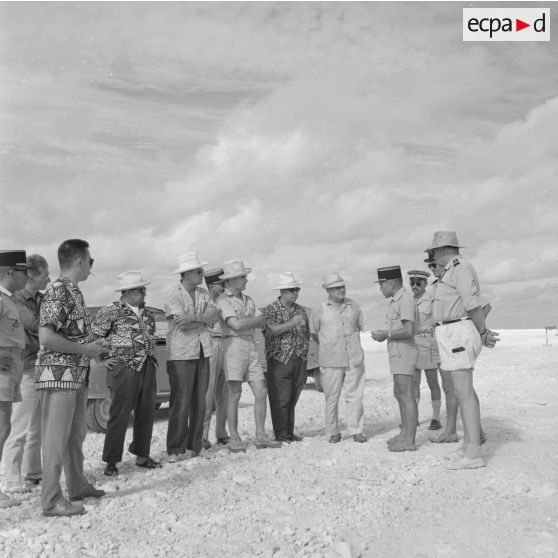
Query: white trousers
pixel 352 379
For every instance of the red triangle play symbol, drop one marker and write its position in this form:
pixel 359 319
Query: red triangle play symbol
pixel 519 25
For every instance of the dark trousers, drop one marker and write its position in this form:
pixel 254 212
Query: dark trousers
pixel 284 385
pixel 188 384
pixel 130 391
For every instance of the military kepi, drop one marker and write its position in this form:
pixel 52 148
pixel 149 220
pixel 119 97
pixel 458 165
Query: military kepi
pixel 391 272
pixel 13 258
pixel 418 274
pixel 212 276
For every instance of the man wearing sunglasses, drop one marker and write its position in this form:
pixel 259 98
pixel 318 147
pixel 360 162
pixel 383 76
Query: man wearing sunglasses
pixel 461 333
pixel 13 276
pixel 287 335
pixel 190 311
pixel 61 373
pixel 130 328
pixel 336 326
pixel 428 358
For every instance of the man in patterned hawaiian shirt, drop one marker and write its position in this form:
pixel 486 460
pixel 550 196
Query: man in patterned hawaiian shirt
pixel 287 335
pixel 61 375
pixel 189 310
pixel 131 374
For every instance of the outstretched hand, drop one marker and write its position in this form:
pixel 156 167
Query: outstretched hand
pixel 490 338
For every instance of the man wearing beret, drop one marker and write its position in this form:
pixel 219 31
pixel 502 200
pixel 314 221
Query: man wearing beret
pixel 402 318
pixel 428 358
pixel 13 276
pixel 131 371
pixel 336 326
pixel 461 332
pixel 217 395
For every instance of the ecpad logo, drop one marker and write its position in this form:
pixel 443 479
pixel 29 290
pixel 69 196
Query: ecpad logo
pixel 506 24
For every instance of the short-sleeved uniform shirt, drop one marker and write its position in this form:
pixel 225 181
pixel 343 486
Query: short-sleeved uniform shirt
pixel 63 310
pixel 12 343
pixel 338 327
pixel 29 306
pixel 241 361
pixel 402 353
pixel 457 291
pixel 428 357
pixel 185 344
pixel 290 343
pixel 131 336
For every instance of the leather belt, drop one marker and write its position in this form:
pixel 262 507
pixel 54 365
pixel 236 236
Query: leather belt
pixel 452 321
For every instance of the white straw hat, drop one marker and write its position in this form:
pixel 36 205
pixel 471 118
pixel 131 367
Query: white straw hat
pixel 132 279
pixel 287 280
pixel 189 261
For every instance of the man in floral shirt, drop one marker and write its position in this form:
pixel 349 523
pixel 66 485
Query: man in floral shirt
pixel 131 375
pixel 61 375
pixel 287 335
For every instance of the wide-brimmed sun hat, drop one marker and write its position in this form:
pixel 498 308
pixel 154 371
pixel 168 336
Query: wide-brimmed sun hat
pixel 132 279
pixel 287 280
pixel 188 262
pixel 444 238
pixel 233 269
pixel 332 280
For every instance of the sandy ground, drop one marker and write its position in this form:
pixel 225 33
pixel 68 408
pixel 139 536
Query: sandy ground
pixel 317 499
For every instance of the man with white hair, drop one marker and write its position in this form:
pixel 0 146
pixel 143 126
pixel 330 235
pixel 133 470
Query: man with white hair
pixel 13 274
pixel 22 452
pixel 336 326
pixel 190 311
pixel 461 333
pixel 402 319
pixel 240 356
pixel 131 371
pixel 287 335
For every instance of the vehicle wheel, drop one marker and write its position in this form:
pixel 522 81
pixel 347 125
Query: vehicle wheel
pixel 158 405
pixel 98 414
pixel 318 380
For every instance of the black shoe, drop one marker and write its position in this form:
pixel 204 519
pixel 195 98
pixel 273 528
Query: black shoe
pixel 89 492
pixel 206 444
pixel 435 425
pixel 33 480
pixel 283 439
pixel 224 441
pixel 294 438
pixel 148 463
pixel 335 439
pixel 111 470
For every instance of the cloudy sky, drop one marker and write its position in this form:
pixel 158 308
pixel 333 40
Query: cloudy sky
pixel 307 137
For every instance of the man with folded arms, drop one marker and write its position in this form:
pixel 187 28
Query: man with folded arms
pixel 13 275
pixel 428 358
pixel 461 333
pixel 240 356
pixel 217 395
pixel 190 311
pixel 402 351
pixel 131 371
pixel 22 452
pixel 336 326
pixel 287 335
pixel 61 374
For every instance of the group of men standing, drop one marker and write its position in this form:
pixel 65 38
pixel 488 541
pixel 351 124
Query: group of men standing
pixel 211 351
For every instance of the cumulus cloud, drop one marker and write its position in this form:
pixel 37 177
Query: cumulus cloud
pixel 305 136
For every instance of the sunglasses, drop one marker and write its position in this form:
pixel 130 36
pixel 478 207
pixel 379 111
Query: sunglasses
pixel 417 283
pixel 293 290
pixel 432 265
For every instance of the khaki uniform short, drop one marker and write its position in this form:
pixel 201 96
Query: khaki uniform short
pixel 11 373
pixel 402 358
pixel 459 344
pixel 428 356
pixel 241 362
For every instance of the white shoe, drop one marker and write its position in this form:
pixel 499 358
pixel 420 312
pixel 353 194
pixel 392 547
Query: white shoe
pixel 18 489
pixel 6 501
pixel 175 457
pixel 467 463
pixel 455 454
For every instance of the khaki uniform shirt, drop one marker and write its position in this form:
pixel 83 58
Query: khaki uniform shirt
pixel 456 292
pixel 338 328
pixel 232 306
pixel 185 345
pixel 12 334
pixel 29 306
pixel 402 306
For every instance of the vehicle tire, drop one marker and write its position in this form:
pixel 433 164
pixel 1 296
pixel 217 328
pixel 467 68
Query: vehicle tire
pixel 318 380
pixel 98 414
